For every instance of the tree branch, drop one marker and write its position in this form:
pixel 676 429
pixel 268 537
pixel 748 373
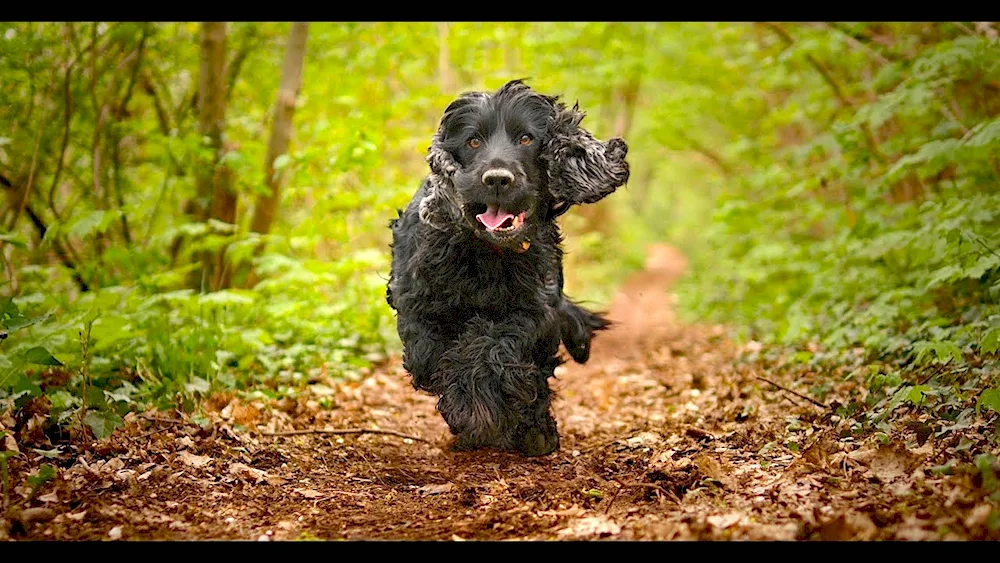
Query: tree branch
pixel 162 117
pixel 67 120
pixel 861 41
pixel 22 195
pixel 42 228
pixel 235 65
pixel 701 149
pixel 116 139
pixel 838 91
pixel 796 393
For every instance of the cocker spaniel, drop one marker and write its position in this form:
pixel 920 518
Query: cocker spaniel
pixel 477 280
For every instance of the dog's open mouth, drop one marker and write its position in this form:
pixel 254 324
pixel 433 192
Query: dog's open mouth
pixel 500 221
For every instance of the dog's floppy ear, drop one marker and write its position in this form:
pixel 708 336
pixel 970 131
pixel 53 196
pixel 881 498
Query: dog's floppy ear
pixel 439 207
pixel 581 169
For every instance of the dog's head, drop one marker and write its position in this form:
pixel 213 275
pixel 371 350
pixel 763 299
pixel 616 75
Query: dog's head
pixel 504 162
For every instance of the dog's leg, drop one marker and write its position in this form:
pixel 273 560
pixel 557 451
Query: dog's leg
pixel 494 394
pixel 423 347
pixel 577 327
pixel 537 433
pixel 576 324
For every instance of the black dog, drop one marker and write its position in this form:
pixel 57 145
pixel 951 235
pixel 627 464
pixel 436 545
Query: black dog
pixel 476 276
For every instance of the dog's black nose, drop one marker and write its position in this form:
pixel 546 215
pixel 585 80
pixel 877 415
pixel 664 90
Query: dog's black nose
pixel 498 178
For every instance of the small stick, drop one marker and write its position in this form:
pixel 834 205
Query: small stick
pixel 163 420
pixel 796 393
pixel 791 400
pixel 346 431
pixel 614 496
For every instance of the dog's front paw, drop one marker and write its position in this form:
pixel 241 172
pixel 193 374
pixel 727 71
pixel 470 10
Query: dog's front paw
pixel 464 443
pixel 539 440
pixel 579 352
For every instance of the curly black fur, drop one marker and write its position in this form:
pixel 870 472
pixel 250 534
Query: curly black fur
pixel 477 279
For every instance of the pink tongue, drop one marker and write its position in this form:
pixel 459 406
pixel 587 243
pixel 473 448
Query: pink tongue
pixel 494 217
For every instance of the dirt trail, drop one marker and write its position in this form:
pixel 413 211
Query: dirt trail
pixel 662 438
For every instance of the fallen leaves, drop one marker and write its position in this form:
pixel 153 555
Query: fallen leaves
pixel 889 463
pixel 591 526
pixel 192 460
pixel 662 439
pixel 309 493
pixel 439 489
pixel 244 471
pixel 723 521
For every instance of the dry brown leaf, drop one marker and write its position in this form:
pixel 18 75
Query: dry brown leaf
pixel 978 516
pixel 644 439
pixel 193 460
pixel 113 464
pixel 723 521
pixel 710 467
pixel 889 463
pixel 309 493
pixel 436 489
pixel 591 526
pixel 246 472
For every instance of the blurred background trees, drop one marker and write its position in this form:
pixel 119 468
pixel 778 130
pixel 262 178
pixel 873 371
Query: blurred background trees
pixel 191 206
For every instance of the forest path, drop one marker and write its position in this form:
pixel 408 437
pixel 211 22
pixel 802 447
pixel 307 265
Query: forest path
pixel 662 438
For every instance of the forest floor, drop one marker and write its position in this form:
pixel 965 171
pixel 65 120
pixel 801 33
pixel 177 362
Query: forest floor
pixel 664 437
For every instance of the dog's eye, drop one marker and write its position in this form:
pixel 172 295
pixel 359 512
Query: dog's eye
pixel 475 143
pixel 525 139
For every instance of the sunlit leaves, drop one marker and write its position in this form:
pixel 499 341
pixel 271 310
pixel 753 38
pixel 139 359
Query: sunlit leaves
pixel 990 342
pixel 990 399
pixel 896 254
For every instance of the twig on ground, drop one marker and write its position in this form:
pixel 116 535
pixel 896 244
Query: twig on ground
pixel 346 431
pixel 796 393
pixel 163 420
pixel 614 496
pixel 932 374
pixel 792 401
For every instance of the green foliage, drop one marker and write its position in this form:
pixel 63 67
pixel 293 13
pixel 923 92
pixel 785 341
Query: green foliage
pixel 832 184
pixel 105 311
pixel 864 215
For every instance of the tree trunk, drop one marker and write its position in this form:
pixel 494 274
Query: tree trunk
pixel 281 131
pixel 444 60
pixel 598 217
pixel 625 102
pixel 213 181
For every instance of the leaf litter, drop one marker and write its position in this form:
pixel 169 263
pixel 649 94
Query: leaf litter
pixel 664 436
